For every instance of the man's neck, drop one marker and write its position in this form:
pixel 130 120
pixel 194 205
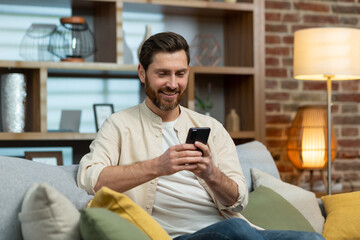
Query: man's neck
pixel 166 116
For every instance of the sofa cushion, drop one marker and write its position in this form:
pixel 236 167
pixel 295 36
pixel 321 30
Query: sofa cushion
pixel 255 155
pixel 269 210
pixel 16 177
pixel 102 224
pixel 126 208
pixel 47 214
pixel 343 214
pixel 301 199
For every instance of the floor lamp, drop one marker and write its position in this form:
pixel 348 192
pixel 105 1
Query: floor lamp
pixel 327 54
pixel 306 145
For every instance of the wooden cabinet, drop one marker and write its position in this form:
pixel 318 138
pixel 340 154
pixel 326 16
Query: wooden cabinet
pixel 240 80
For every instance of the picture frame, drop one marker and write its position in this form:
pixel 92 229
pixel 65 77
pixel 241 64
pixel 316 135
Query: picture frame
pixel 52 157
pixel 102 112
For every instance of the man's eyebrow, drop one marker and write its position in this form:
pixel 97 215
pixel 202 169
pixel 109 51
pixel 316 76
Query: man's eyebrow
pixel 162 70
pixel 168 70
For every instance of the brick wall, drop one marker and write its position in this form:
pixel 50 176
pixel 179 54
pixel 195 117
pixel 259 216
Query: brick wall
pixel 285 94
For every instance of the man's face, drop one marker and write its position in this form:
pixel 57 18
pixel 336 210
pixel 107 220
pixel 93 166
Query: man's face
pixel 166 79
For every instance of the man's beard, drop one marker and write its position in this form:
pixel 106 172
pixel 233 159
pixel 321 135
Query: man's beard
pixel 158 101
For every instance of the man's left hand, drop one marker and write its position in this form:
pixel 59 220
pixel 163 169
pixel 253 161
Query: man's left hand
pixel 206 168
pixel 224 188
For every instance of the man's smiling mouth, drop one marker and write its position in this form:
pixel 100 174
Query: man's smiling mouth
pixel 169 93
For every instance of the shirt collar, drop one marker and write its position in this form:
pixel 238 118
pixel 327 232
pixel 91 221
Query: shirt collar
pixel 150 114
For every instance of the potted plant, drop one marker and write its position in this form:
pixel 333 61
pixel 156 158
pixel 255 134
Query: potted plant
pixel 206 104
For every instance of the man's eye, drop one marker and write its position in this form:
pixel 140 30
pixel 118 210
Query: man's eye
pixel 181 74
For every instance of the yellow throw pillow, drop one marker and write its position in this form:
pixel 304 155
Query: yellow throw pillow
pixel 343 214
pixel 126 208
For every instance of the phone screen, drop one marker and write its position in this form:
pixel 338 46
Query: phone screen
pixel 200 134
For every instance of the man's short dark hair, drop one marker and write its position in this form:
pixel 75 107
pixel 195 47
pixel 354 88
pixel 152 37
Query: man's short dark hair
pixel 162 42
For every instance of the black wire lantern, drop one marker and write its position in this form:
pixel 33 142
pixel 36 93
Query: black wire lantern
pixel 72 40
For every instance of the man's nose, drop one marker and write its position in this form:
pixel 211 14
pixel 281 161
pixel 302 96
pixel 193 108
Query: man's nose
pixel 172 83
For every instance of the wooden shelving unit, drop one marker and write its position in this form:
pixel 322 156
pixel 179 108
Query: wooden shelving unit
pixel 241 79
pixel 43 136
pixel 37 73
pixel 36 133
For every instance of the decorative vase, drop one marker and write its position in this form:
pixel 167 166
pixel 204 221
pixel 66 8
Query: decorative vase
pixel 13 96
pixel 146 36
pixel 232 121
pixel 128 57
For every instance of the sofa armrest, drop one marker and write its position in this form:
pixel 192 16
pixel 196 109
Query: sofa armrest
pixel 17 176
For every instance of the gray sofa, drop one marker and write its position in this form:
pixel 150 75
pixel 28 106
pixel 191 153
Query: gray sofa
pixel 17 175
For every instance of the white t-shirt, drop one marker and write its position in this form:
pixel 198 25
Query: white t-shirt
pixel 181 204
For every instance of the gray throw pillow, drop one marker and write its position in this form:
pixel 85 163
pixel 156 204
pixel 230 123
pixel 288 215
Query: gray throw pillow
pixel 255 155
pixel 16 177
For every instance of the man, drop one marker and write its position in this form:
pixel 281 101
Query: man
pixel 140 151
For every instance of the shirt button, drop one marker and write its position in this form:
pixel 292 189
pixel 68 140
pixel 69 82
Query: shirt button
pixel 147 206
pixel 152 182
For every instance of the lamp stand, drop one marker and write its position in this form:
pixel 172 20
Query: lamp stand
pixel 329 77
pixel 302 174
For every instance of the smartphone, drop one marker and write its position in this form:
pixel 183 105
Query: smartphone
pixel 200 134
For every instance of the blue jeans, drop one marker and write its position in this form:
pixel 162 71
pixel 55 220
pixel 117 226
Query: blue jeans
pixel 236 229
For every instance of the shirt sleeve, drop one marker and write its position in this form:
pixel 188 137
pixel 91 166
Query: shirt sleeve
pixel 104 151
pixel 228 162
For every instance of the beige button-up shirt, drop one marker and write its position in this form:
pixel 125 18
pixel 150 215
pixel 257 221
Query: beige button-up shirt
pixel 135 135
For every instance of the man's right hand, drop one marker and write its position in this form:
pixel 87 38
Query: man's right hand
pixel 125 177
pixel 178 158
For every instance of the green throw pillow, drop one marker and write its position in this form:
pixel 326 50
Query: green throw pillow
pixel 269 210
pixel 102 224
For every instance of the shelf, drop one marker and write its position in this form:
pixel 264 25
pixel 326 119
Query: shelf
pixel 85 136
pixel 184 7
pixel 242 134
pixel 110 69
pixel 115 67
pixel 65 69
pixel 223 70
pixel 194 6
pixel 47 136
pixel 68 65
pixel 42 3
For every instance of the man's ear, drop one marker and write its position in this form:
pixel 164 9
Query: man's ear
pixel 141 73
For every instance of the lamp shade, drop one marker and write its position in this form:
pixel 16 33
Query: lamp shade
pixel 307 142
pixel 323 52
